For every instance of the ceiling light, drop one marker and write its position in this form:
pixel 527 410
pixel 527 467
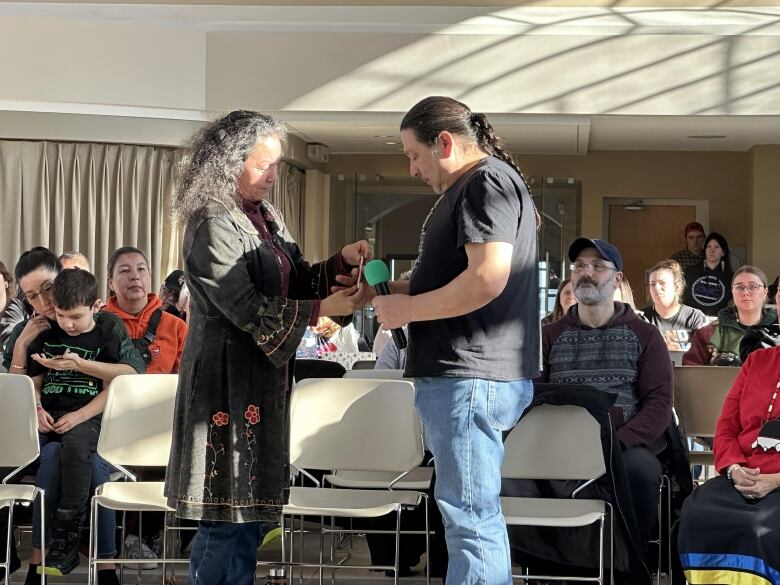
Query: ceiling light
pixel 391 143
pixel 384 136
pixel 707 136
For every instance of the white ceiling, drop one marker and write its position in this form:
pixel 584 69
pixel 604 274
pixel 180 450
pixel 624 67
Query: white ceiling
pixel 367 132
pixel 527 134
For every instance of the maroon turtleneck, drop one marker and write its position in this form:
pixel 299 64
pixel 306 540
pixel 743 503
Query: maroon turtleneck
pixel 254 213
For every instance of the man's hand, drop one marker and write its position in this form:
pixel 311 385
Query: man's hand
pixel 67 361
pixel 393 311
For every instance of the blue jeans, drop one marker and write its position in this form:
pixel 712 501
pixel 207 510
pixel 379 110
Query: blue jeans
pixel 464 419
pixel 48 478
pixel 225 553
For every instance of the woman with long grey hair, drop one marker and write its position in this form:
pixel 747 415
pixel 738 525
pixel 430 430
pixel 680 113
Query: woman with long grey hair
pixel 252 298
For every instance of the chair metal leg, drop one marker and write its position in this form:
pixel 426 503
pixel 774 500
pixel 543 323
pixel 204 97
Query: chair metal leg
pixel 140 557
pixel 397 546
pixel 427 543
pixel 322 546
pixel 164 550
pixel 332 550
pixel 300 538
pixel 122 546
pixel 8 530
pixel 611 545
pixel 92 555
pixel 660 516
pixel 669 528
pixel 602 528
pixel 42 496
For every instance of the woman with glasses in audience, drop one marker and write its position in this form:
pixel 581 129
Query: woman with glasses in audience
pixel 729 525
pixel 718 344
pixel 676 321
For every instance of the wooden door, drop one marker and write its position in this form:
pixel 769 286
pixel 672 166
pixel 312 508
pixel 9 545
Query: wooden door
pixel 646 236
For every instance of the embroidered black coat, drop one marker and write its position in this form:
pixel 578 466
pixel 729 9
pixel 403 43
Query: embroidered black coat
pixel 229 458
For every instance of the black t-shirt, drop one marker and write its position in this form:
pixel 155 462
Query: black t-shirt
pixel 679 328
pixel 707 290
pixel 66 391
pixel 500 341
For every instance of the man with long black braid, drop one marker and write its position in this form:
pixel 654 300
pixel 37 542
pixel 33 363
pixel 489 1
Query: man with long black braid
pixel 473 323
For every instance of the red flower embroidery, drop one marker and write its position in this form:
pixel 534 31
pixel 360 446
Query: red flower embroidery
pixel 252 414
pixel 221 419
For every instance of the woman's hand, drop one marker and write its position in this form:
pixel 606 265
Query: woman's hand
pixel 743 477
pixel 67 422
pixel 352 253
pixel 344 302
pixel 763 483
pixel 32 330
pixel 45 421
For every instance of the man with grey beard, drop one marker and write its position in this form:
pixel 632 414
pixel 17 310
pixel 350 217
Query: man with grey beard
pixel 604 344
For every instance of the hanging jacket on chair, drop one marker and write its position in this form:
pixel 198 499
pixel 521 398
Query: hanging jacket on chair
pixel 574 551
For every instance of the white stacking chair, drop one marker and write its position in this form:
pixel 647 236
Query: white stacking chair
pixel 699 392
pixel 19 447
pixel 376 374
pixel 361 425
pixel 136 432
pixel 558 443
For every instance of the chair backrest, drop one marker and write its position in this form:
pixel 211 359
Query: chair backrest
pixel 363 365
pixel 356 424
pixel 310 368
pixel 554 442
pixel 376 374
pixel 138 420
pixel 699 392
pixel 18 421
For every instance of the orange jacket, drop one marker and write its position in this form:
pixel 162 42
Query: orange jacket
pixel 168 341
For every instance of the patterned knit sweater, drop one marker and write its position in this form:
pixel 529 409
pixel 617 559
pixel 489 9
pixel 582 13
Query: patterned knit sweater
pixel 626 357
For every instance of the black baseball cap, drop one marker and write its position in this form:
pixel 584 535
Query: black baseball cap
pixel 606 250
pixel 175 280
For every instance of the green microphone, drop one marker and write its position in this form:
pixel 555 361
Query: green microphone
pixel 377 275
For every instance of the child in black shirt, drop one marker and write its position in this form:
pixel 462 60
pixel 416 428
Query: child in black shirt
pixel 71 364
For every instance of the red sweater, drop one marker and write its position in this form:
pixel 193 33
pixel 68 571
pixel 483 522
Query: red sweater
pixel 743 410
pixel 169 340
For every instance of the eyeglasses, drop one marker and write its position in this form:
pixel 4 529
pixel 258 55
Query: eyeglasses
pixel 597 267
pixel 46 291
pixel 753 287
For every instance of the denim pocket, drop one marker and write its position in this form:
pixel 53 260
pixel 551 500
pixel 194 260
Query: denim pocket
pixel 506 402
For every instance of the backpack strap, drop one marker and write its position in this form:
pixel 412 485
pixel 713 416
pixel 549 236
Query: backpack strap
pixel 142 343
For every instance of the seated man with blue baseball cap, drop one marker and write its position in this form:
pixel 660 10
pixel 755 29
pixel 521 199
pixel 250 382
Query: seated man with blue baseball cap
pixel 604 344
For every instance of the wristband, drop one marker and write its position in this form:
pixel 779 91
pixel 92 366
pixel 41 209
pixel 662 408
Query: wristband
pixel 730 470
pixel 18 367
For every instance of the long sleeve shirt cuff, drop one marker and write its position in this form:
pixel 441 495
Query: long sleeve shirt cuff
pixel 315 312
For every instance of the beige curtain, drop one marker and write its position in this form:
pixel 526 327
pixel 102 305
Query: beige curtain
pixel 91 198
pixel 287 196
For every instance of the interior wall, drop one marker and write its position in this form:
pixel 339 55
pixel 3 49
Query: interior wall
pixel 722 178
pixel 764 242
pixel 94 62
